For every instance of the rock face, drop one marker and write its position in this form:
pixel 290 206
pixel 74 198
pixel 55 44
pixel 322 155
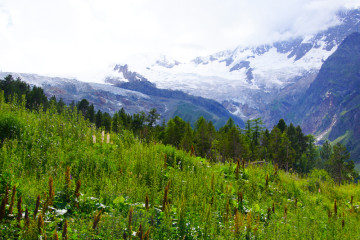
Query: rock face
pixel 330 107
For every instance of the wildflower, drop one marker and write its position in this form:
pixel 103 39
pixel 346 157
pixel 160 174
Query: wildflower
pixel 65 230
pixel 19 209
pixel 40 223
pixel 55 236
pixel 97 219
pixel 37 206
pixel 12 199
pixel 147 201
pixel 2 209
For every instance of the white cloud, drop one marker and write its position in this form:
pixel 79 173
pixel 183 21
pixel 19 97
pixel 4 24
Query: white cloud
pixel 80 38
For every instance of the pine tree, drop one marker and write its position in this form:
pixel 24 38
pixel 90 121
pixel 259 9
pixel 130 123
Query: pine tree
pixel 90 114
pixel 187 140
pixel 281 125
pixel 152 117
pixel 274 144
pixel 174 132
pixel 98 119
pixel 287 153
pixel 339 165
pixel 204 134
pixel 83 107
pixel 106 121
pixel 115 123
pixel 325 154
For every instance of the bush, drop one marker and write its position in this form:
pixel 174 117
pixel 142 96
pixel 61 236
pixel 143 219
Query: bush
pixel 317 176
pixel 10 128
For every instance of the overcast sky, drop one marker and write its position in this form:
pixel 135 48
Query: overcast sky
pixel 79 38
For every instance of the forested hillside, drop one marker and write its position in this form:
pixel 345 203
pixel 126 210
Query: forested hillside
pixel 61 176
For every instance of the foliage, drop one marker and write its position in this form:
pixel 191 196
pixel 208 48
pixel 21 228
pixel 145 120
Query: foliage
pixel 70 178
pixel 10 127
pixel 132 188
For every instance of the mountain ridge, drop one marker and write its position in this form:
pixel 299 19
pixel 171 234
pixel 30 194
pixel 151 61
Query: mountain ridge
pixel 330 107
pixel 111 98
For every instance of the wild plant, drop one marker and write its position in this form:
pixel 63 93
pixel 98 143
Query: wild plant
pixel 146 235
pixel 97 218
pixel 12 200
pixel 2 209
pixel 238 223
pixel 335 207
pixel 237 169
pixel 51 191
pixel 40 224
pixel 268 213
pixel 6 197
pixel 77 192
pixel 65 230
pixel 55 235
pixel 37 206
pixel 273 207
pixel 139 232
pixel 67 183
pixel 147 202
pixel 165 198
pixel 27 218
pixel 19 209
pixel 130 221
pixel 266 180
pixel 248 223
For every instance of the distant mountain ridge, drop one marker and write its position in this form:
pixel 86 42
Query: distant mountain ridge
pixel 135 82
pixel 134 94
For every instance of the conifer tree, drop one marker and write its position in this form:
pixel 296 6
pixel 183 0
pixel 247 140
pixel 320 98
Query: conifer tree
pixel 281 125
pixel 98 119
pixel 339 165
pixel 187 140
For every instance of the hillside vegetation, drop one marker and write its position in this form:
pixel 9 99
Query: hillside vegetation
pixel 61 177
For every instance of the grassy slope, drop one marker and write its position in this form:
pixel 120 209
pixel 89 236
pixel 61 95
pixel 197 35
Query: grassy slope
pixel 202 199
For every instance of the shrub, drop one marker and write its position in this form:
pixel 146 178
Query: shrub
pixel 10 127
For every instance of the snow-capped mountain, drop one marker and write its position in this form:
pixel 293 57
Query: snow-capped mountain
pixel 131 91
pixel 246 79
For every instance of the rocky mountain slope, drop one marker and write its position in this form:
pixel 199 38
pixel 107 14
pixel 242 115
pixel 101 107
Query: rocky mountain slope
pixel 330 107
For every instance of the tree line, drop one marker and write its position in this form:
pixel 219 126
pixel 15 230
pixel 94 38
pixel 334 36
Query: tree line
pixel 284 145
